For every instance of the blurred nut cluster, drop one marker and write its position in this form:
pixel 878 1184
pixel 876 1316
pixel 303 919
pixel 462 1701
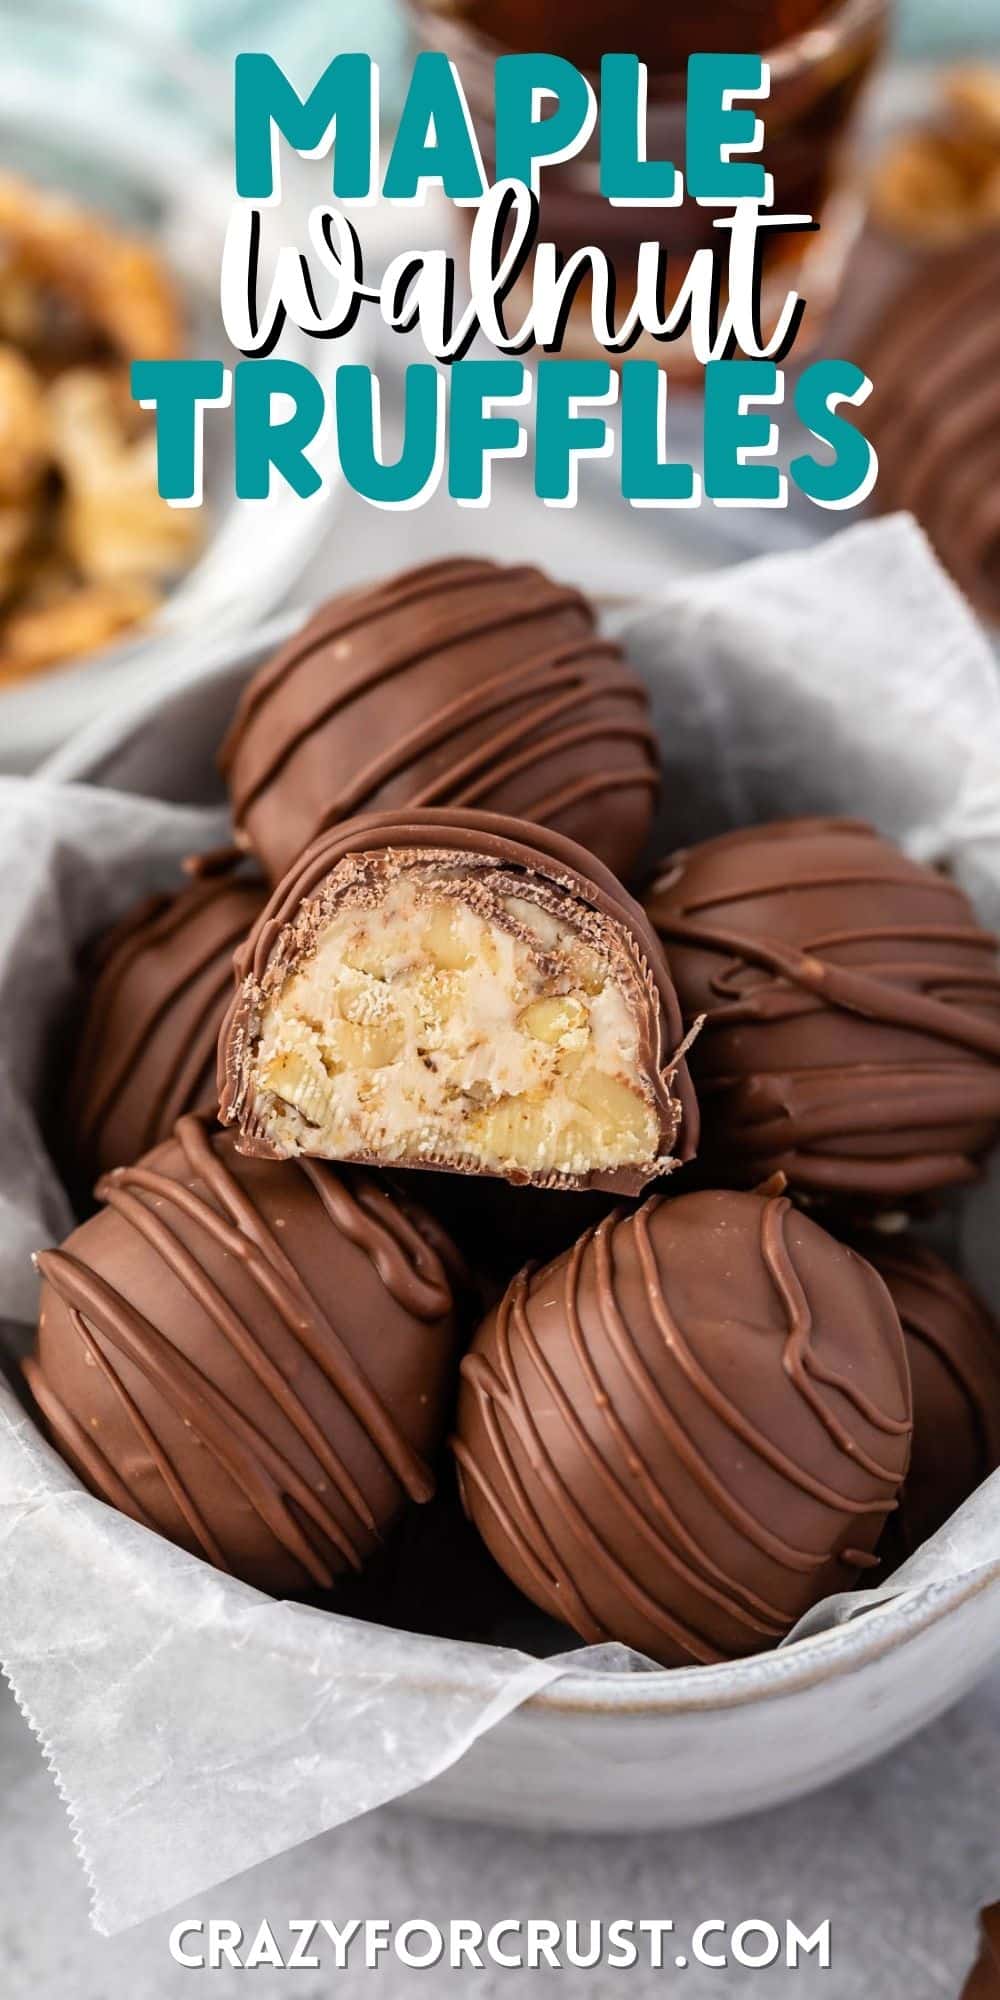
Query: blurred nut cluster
pixel 87 547
pixel 940 185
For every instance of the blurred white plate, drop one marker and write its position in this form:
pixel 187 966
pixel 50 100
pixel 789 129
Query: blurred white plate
pixel 142 135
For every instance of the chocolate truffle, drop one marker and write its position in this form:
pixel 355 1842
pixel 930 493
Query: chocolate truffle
pixel 953 1347
pixel 458 990
pixel 983 1982
pixel 689 1428
pixel 852 1011
pixel 252 1359
pixel 460 684
pixel 934 413
pixel 160 984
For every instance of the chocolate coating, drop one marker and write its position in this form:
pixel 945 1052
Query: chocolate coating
pixel 852 1011
pixel 254 1360
pixel 160 986
pixel 463 683
pixel 953 1348
pixel 482 843
pixel 983 1982
pixel 934 412
pixel 688 1429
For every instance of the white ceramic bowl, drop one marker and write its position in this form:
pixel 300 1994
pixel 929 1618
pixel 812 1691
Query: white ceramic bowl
pixel 628 1750
pixel 161 164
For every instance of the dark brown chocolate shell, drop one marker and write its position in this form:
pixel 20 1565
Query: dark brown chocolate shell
pixel 159 986
pixel 462 684
pixel 254 1359
pixel 688 1429
pixel 953 1348
pixel 484 844
pixel 851 1006
pixel 934 411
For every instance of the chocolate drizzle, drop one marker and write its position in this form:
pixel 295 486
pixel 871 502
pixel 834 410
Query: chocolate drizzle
pixel 468 685
pixel 651 1468
pixel 146 1055
pixel 934 413
pixel 222 1367
pixel 953 1346
pixel 852 1003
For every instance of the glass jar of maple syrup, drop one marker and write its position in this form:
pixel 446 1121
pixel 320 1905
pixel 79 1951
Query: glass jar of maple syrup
pixel 820 53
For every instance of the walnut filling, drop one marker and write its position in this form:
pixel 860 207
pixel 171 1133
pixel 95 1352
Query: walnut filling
pixel 450 1020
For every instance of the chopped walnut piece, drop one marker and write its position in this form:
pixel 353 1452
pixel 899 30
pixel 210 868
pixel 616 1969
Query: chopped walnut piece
pixel 37 635
pixel 87 546
pixel 63 260
pixel 941 184
pixel 24 428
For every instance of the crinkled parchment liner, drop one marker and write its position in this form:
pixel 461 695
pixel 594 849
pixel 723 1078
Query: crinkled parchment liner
pixel 192 1725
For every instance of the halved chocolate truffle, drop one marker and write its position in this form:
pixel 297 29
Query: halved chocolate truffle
pixel 852 1011
pixel 160 984
pixel 689 1428
pixel 464 991
pixel 953 1347
pixel 463 683
pixel 252 1359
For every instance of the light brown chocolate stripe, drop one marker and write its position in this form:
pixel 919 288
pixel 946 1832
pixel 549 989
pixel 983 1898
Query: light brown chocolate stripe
pixel 194 1059
pixel 81 1448
pixel 347 614
pixel 110 1325
pixel 934 414
pixel 474 777
pixel 533 680
pixel 918 1280
pixel 502 1390
pixel 799 1362
pixel 877 997
pixel 953 1350
pixel 508 1419
pixel 637 1464
pixel 154 920
pixel 896 356
pixel 946 989
pixel 408 1266
pixel 104 1065
pixel 963 365
pixel 462 683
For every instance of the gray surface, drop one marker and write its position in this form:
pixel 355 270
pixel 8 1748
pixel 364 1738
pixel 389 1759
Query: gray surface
pixel 899 1859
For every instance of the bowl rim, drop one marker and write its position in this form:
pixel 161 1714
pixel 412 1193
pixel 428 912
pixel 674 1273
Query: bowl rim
pixel 885 1626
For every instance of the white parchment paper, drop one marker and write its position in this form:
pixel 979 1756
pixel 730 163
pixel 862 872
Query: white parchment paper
pixel 193 1725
